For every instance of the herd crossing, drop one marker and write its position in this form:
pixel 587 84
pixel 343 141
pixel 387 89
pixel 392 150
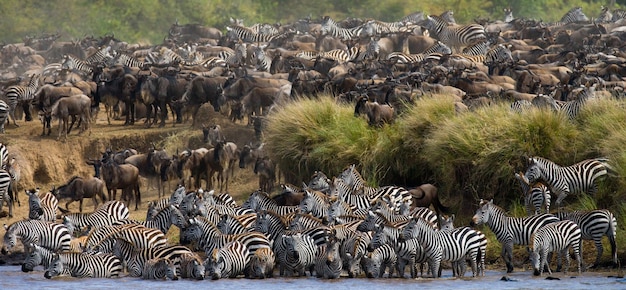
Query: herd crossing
pixel 331 227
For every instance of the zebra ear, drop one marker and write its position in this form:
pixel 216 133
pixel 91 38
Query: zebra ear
pixel 6 228
pixel 491 201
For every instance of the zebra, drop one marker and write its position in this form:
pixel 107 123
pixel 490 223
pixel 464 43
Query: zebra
pixel 408 251
pixel 101 56
pixel 136 258
pixel 15 170
pixel 228 261
pixel 22 95
pixel 83 265
pixel 564 180
pixel 453 245
pixel 127 60
pixel 176 198
pixel 245 34
pixel 259 200
pixel 191 266
pixel 328 263
pixel 73 63
pixel 40 256
pixel 477 48
pixel 261 264
pixel 236 224
pixel 520 106
pixel 509 230
pixel 42 206
pixel 555 237
pixel 159 269
pixel 263 62
pixel 319 182
pixel 375 262
pixel 536 196
pixel 48 234
pixel 595 224
pixel 438 47
pixel 574 15
pixel 330 27
pixel 353 249
pixel 447 224
pixel 105 214
pixel 138 235
pixel 4 156
pixel 4 115
pixel 299 254
pixel 5 194
pixel 163 220
pixel 315 203
pixel 454 36
pixel 572 108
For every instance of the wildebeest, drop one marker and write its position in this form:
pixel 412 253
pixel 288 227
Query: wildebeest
pixel 120 176
pixel 77 105
pixel 376 113
pixel 426 195
pixel 202 90
pixel 117 85
pixel 78 188
pixel 221 160
pixel 211 134
pixel 47 95
pixel 160 92
pixel 266 169
pixel 149 165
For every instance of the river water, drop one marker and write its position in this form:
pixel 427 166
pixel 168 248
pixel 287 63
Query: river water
pixel 11 277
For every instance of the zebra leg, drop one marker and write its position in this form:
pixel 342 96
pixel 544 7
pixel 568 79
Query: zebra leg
pixel 507 255
pixel 599 249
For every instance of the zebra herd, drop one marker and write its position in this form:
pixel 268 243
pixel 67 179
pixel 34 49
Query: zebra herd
pixel 340 227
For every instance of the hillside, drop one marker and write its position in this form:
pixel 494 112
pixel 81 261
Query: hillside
pixel 46 162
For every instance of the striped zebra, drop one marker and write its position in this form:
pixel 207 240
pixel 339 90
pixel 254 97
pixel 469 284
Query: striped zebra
pixel 106 214
pixel 191 266
pixel 455 36
pixel 330 27
pixel 40 256
pixel 4 115
pixel 176 198
pixel 572 108
pixel 520 106
pixel 236 224
pixel 376 262
pixel 21 95
pixel 139 236
pixel 262 61
pixel 53 236
pixel 5 194
pixel 345 192
pixel 159 269
pixel 564 180
pixel 498 54
pixel 328 263
pixel 15 170
pixel 75 64
pixel 509 230
pixel 127 60
pixel 536 196
pixel 438 47
pixel 245 34
pixel 42 206
pixel 595 224
pixel 555 237
pixel 135 258
pixel 228 261
pixel 396 195
pixel 101 56
pixel 238 57
pixel 84 265
pixel 353 249
pixel 261 264
pixel 477 48
pixel 340 208
pixel 315 203
pixel 408 251
pixel 319 182
pixel 298 256
pixel 209 237
pixel 574 15
pixel 4 156
pixel 259 200
pixel 447 224
pixel 162 221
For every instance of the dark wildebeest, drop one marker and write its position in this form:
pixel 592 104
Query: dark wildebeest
pixel 202 90
pixel 211 134
pixel 47 95
pixel 78 188
pixel 291 195
pixel 266 169
pixel 426 195
pixel 376 113
pixel 76 105
pixel 149 165
pixel 249 154
pixel 120 176
pixel 117 84
pixel 221 160
pixel 159 92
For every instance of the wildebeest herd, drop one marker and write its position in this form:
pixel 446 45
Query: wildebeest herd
pixel 329 227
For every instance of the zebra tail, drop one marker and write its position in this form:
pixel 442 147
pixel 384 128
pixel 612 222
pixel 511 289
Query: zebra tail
pixel 612 230
pixel 611 171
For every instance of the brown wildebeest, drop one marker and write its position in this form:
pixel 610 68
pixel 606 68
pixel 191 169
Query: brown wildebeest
pixel 211 134
pixel 266 169
pixel 120 176
pixel 221 160
pixel 78 188
pixel 291 195
pixel 426 195
pixel 76 105
pixel 376 113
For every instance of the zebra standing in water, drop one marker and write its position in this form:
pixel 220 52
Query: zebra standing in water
pixel 328 263
pixel 536 196
pixel 564 180
pixel 53 236
pixel 21 95
pixel 454 36
pixel 595 224
pixel 42 206
pixel 299 254
pixel 509 230
pixel 375 262
pixel 159 269
pixel 229 261
pixel 4 115
pixel 555 237
pixel 447 224
pixel 83 265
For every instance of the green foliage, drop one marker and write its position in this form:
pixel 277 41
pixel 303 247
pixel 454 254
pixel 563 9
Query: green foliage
pixel 149 20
